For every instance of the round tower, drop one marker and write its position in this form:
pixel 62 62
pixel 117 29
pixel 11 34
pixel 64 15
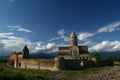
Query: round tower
pixel 73 39
pixel 59 64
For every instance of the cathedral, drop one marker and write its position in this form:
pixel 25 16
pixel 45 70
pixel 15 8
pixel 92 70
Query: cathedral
pixel 74 51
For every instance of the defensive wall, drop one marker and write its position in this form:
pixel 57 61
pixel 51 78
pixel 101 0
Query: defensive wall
pixel 58 64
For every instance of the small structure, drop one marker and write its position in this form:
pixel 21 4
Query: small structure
pixel 71 57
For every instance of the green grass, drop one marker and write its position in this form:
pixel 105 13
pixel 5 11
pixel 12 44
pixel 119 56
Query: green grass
pixel 8 73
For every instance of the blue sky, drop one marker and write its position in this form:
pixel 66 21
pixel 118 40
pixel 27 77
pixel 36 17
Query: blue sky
pixel 46 24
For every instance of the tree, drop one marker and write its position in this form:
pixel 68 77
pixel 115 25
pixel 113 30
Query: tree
pixel 97 55
pixel 40 57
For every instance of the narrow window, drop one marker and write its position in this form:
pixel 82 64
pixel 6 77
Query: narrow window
pixel 19 64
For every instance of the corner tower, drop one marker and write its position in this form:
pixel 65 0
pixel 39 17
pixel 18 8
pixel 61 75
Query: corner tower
pixel 25 51
pixel 73 39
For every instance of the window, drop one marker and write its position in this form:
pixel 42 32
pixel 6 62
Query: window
pixel 19 64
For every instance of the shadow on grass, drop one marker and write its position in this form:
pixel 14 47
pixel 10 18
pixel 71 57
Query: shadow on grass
pixel 1 69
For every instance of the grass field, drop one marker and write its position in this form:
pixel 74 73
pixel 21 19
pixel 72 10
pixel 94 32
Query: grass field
pixel 7 73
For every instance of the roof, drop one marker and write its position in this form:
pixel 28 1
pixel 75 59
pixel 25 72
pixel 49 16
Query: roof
pixel 16 53
pixel 25 48
pixel 64 48
pixel 73 34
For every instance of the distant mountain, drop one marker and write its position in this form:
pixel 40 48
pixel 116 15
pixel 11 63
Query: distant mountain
pixel 107 54
pixel 43 55
pixel 4 57
pixel 53 55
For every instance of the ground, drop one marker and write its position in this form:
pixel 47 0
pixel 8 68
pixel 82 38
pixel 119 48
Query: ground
pixel 101 73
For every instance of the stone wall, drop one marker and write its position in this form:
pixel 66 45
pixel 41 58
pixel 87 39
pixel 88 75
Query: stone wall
pixel 37 64
pixel 56 64
pixel 72 64
pixel 104 63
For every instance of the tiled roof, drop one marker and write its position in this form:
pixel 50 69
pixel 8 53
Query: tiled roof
pixel 16 53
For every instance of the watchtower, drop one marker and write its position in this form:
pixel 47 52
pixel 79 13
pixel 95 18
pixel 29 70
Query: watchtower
pixel 73 39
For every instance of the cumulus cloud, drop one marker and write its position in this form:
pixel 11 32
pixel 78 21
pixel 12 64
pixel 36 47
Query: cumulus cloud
pixel 38 47
pixel 48 48
pixel 19 28
pixel 50 45
pixel 61 36
pixel 9 43
pixel 106 46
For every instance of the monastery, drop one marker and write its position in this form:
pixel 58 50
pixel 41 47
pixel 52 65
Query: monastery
pixel 72 57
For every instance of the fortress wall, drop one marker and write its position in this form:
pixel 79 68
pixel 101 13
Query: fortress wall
pixel 37 63
pixel 87 64
pixel 28 63
pixel 72 64
pixel 46 64
pixel 78 64
pixel 104 62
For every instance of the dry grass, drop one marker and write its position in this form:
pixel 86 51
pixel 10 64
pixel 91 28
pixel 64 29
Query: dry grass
pixel 34 74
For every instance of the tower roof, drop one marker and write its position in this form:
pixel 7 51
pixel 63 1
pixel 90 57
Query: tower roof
pixel 73 34
pixel 25 48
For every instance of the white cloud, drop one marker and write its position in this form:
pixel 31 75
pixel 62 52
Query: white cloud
pixel 85 35
pixel 109 28
pixel 106 46
pixel 19 28
pixel 51 48
pixel 50 45
pixel 48 48
pixel 88 42
pixel 38 47
pixel 55 38
pixel 10 36
pixel 5 35
pixel 10 43
pixel 61 32
pixel 61 36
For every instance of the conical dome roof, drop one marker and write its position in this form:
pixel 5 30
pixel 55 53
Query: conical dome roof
pixel 25 48
pixel 73 34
